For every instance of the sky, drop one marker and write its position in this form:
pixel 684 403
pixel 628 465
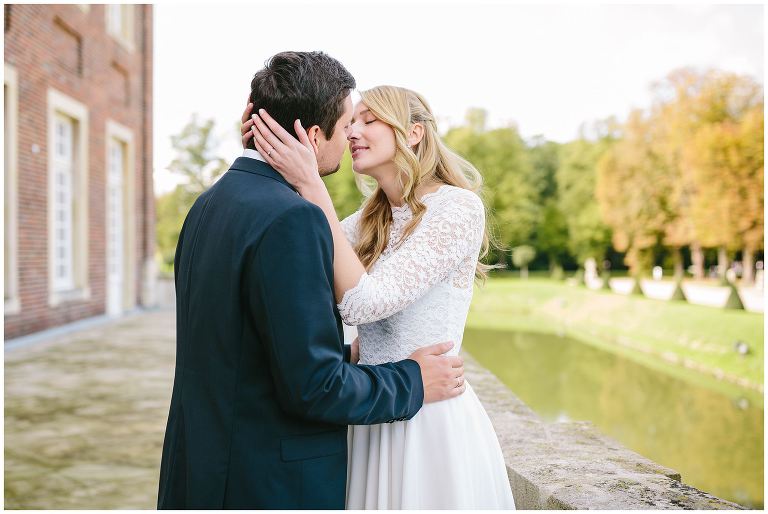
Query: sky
pixel 545 69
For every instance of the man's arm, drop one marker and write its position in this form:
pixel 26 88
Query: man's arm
pixel 290 288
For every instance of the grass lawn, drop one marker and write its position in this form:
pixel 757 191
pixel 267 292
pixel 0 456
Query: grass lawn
pixel 683 339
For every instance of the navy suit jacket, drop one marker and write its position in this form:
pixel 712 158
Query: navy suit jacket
pixel 262 394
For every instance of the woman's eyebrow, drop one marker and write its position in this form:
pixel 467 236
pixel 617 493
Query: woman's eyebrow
pixel 361 113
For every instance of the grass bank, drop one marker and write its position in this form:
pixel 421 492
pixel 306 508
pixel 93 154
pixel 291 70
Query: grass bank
pixel 691 341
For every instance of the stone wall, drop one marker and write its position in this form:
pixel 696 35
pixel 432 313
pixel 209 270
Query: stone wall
pixel 572 465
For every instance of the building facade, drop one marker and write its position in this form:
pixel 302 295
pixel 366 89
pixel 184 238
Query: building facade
pixel 79 202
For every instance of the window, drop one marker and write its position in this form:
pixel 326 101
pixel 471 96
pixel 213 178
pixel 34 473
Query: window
pixel 63 203
pixel 120 23
pixel 10 172
pixel 67 199
pixel 120 219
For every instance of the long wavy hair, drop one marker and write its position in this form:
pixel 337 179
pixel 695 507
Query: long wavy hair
pixel 428 161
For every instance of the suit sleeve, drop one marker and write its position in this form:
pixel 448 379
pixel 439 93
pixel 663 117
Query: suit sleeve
pixel 177 255
pixel 291 290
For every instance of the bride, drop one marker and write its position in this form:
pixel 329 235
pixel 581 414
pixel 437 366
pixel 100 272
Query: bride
pixel 403 267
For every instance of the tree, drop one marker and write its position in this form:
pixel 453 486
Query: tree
pixel 171 209
pixel 550 235
pixel 632 188
pixel 522 256
pixel 197 163
pixel 728 166
pixel 195 159
pixel 714 141
pixel 501 157
pixel 588 235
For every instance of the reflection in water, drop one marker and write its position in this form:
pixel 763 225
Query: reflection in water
pixel 715 442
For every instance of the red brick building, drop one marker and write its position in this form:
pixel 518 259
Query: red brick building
pixel 79 202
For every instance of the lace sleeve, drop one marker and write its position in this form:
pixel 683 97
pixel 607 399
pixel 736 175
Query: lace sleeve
pixel 449 233
pixel 349 225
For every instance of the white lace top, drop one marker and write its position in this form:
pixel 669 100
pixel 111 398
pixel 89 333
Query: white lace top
pixel 418 294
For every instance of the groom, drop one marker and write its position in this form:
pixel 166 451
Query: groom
pixel 264 390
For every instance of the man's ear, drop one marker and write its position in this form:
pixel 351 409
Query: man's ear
pixel 315 134
pixel 416 134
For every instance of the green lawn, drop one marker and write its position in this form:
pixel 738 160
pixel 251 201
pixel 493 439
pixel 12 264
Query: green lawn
pixel 677 337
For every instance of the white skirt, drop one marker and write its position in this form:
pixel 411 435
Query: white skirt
pixel 446 457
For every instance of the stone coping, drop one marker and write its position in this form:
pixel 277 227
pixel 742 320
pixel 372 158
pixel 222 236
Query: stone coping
pixel 571 465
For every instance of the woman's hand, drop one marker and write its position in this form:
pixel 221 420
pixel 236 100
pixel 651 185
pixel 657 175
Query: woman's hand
pixel 293 158
pixel 245 129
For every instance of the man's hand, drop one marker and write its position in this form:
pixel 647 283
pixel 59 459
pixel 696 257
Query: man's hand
pixel 442 375
pixel 246 129
pixel 355 356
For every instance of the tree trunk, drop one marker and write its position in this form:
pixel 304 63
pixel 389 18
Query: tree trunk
pixel 748 261
pixel 524 272
pixel 722 262
pixel 678 257
pixel 697 258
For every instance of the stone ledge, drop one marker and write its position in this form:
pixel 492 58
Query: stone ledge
pixel 572 465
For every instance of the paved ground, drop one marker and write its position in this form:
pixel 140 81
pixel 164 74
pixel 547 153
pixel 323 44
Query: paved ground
pixel 85 416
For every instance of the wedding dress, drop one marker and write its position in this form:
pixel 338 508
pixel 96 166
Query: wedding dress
pixel 447 456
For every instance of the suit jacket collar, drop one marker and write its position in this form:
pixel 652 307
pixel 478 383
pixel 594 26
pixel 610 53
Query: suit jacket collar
pixel 259 168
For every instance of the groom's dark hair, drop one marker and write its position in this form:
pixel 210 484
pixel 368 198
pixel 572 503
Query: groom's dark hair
pixel 310 86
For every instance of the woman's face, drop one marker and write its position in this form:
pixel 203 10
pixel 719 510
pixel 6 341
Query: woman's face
pixel 371 142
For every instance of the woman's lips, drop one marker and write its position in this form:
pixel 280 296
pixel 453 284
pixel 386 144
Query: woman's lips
pixel 357 150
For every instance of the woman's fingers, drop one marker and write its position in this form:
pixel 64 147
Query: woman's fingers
pixel 266 151
pixel 276 128
pixel 266 133
pixel 246 137
pixel 247 112
pixel 246 127
pixel 303 137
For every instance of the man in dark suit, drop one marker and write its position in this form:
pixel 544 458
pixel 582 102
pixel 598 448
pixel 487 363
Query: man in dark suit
pixel 264 390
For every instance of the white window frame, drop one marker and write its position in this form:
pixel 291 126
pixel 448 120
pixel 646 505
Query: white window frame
pixel 59 103
pixel 11 237
pixel 125 33
pixel 124 135
pixel 69 126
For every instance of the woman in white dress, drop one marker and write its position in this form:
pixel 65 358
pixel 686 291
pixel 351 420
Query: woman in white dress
pixel 404 265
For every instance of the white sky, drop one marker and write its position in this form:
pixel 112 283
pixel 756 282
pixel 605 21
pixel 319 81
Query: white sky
pixel 545 68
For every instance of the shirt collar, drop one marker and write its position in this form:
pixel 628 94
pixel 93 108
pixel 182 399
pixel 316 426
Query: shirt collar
pixel 253 154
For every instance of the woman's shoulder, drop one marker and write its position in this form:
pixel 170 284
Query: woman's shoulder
pixel 454 198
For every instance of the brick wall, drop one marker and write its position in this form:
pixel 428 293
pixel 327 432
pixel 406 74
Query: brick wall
pixel 68 48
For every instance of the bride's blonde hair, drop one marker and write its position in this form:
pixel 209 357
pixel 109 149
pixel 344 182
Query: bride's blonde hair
pixel 428 161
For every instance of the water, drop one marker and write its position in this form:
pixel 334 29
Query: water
pixel 714 439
